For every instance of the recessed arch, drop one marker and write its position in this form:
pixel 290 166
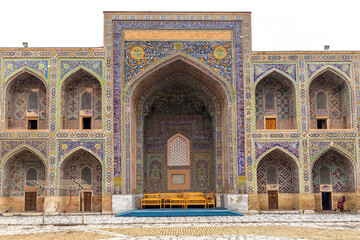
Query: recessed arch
pixel 287 172
pixel 283 113
pixel 14 173
pixel 71 168
pixel 175 64
pixel 343 170
pixel 337 88
pixel 71 89
pixel 17 90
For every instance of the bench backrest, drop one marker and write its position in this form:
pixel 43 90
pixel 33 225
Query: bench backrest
pixel 151 195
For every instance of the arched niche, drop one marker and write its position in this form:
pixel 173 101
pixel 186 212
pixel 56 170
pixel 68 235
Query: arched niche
pixel 71 170
pixel 329 101
pixel 282 167
pixel 81 101
pixel 275 102
pixel 26 102
pixel 341 172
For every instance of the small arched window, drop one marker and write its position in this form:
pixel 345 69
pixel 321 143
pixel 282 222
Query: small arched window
pixel 86 175
pixel 271 175
pixel 31 175
pixel 321 101
pixel 178 151
pixel 325 175
pixel 33 101
pixel 86 101
pixel 269 100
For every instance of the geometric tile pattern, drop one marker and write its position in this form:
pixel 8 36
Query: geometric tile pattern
pixel 156 50
pixel 261 147
pixel 71 169
pixel 287 172
pixel 314 67
pixel 15 172
pixel 341 171
pixel 41 146
pixel 67 146
pixel 260 69
pixel 95 66
pixel 39 66
pixel 119 78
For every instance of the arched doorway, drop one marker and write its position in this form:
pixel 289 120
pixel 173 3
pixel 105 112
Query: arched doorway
pixel 330 101
pixel 177 74
pixel 26 102
pixel 19 173
pixel 85 166
pixel 277 179
pixel 333 177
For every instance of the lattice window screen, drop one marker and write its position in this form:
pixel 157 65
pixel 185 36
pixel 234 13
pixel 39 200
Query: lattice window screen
pixel 321 100
pixel 178 152
pixel 86 101
pixel 33 101
pixel 86 175
pixel 270 100
pixel 31 175
pixel 325 175
pixel 271 174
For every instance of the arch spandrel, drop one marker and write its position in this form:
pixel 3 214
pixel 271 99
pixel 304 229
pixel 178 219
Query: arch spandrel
pixel 342 75
pixel 92 67
pixel 20 148
pixel 273 70
pixel 336 149
pixel 37 67
pixel 322 68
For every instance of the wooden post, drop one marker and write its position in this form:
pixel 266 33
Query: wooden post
pixel 82 204
pixel 43 194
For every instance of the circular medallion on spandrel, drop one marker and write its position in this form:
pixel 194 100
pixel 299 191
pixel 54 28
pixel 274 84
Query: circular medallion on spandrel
pixel 137 53
pixel 220 52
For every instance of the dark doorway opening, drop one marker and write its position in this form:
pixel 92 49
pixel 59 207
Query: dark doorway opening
pixel 326 200
pixel 87 123
pixel 321 124
pixel 32 124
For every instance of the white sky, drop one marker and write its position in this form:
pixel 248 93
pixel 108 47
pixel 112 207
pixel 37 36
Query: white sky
pixel 276 24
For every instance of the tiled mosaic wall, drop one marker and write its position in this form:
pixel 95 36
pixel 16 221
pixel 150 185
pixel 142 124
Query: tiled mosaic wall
pixel 305 69
pixel 15 173
pixel 52 67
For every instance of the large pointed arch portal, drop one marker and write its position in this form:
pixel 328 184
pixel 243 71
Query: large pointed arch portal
pixel 178 99
pixel 156 55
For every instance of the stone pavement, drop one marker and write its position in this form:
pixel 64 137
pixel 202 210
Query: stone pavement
pixel 259 226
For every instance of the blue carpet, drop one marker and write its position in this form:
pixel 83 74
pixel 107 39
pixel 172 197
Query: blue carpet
pixel 179 212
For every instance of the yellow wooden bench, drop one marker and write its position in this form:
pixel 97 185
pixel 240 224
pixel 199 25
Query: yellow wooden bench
pixel 151 200
pixel 194 198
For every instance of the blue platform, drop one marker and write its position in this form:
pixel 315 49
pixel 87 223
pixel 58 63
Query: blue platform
pixel 179 212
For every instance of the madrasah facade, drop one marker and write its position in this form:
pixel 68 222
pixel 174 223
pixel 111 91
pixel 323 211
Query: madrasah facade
pixel 177 102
